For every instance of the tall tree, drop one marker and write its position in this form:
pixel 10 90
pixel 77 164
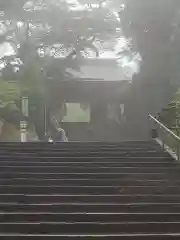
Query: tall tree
pixel 152 28
pixel 52 35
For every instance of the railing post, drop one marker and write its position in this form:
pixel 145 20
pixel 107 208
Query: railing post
pixel 154 133
pixel 163 145
pixel 163 142
pixel 24 123
pixel 23 131
pixel 178 153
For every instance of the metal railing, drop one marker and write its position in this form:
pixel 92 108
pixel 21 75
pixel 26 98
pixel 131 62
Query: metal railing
pixel 165 136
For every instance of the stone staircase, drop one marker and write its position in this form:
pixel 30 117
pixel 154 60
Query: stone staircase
pixel 100 191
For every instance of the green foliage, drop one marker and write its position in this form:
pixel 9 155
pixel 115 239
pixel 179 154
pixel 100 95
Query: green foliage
pixel 170 115
pixel 54 24
pixel 9 93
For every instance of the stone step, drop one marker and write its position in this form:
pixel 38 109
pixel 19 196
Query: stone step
pixel 20 217
pixel 152 236
pixel 88 182
pixel 167 164
pixel 103 159
pixel 89 170
pixel 102 175
pixel 90 228
pixel 91 207
pixel 79 198
pixel 84 154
